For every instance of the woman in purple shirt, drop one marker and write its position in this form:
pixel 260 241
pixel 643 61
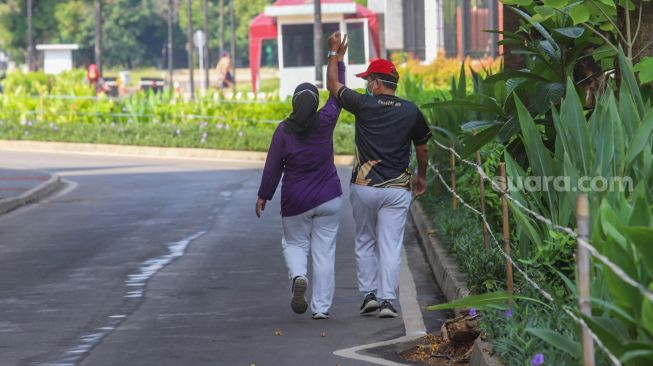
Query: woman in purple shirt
pixel 302 151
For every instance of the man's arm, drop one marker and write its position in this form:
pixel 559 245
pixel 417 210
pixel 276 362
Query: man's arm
pixel 419 182
pixel 420 135
pixel 333 84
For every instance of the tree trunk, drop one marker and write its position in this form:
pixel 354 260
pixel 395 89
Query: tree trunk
pixel 233 41
pixel 30 37
pixel 511 22
pixel 171 12
pixel 643 45
pixel 221 28
pixel 191 84
pixel 98 35
pixel 207 58
pixel 317 42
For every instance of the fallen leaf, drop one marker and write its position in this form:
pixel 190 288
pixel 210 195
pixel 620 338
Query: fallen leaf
pixel 278 332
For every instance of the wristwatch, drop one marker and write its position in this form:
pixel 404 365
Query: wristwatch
pixel 332 53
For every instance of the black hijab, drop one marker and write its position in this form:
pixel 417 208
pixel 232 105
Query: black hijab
pixel 304 118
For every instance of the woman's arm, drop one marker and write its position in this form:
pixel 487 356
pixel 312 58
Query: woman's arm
pixel 274 164
pixel 331 110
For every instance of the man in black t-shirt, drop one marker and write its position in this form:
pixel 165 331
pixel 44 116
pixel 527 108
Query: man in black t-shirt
pixel 380 190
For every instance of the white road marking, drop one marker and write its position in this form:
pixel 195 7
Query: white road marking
pixel 410 313
pixel 146 271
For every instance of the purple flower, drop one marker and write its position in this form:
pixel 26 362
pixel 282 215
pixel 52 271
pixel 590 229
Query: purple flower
pixel 472 312
pixel 537 360
pixel 508 314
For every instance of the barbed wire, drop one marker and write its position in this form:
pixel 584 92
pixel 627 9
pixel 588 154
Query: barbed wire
pixel 528 279
pixel 618 271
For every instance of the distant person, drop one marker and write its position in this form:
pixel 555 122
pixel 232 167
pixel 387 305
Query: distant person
pixel 380 189
pixel 224 69
pixel 311 195
pixel 95 79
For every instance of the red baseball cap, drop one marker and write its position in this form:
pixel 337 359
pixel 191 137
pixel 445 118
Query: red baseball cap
pixel 380 66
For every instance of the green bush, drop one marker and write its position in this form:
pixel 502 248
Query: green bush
pixel 63 108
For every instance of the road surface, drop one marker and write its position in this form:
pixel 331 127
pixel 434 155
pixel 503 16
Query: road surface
pixel 144 261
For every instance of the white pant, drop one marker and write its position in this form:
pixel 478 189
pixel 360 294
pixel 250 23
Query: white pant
pixel 380 215
pixel 314 230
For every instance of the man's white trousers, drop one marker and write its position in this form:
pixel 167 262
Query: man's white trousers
pixel 380 215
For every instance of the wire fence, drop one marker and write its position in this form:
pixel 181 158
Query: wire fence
pixel 581 241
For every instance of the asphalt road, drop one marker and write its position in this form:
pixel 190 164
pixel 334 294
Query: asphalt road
pixel 162 262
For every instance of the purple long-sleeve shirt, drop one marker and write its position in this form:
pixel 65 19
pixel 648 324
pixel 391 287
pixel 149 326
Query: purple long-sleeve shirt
pixel 310 177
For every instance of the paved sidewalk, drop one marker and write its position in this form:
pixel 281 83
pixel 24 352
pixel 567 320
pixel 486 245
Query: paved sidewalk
pixel 20 187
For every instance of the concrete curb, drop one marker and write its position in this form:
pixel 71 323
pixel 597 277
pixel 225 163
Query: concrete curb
pixel 34 194
pixel 449 278
pixel 147 151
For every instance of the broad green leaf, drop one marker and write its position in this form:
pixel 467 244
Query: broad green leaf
pixel 473 143
pixel 539 18
pixel 610 331
pixel 508 130
pixel 466 104
pixel 525 224
pixel 579 14
pixel 556 340
pixel 607 27
pixel 547 94
pixel 480 301
pixel 538 27
pixel 642 138
pixel 630 118
pixel 558 4
pixel 538 155
pixel 549 50
pixel 632 355
pixel 517 2
pixel 645 69
pixel 628 80
pixel 572 128
pixel 477 125
pixel 571 32
pixel 642 239
pixel 546 11
pixel 641 212
pixel 614 308
pixel 647 313
pixel 515 74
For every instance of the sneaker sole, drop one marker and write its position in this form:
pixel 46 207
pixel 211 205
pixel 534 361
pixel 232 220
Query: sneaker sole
pixel 370 307
pixel 387 313
pixel 298 302
pixel 320 316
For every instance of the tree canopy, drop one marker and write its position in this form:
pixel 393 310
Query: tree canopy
pixel 134 31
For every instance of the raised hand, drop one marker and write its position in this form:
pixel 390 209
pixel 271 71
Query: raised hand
pixel 343 48
pixel 335 41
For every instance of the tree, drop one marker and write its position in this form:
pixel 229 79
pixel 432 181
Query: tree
pixel 134 33
pixel 640 30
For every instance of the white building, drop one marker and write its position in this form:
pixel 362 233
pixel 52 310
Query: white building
pixel 290 22
pixel 57 58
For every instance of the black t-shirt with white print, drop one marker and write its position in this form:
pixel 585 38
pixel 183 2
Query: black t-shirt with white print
pixel 385 127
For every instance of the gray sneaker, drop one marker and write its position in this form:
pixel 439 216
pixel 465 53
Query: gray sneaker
pixel 298 302
pixel 370 304
pixel 387 310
